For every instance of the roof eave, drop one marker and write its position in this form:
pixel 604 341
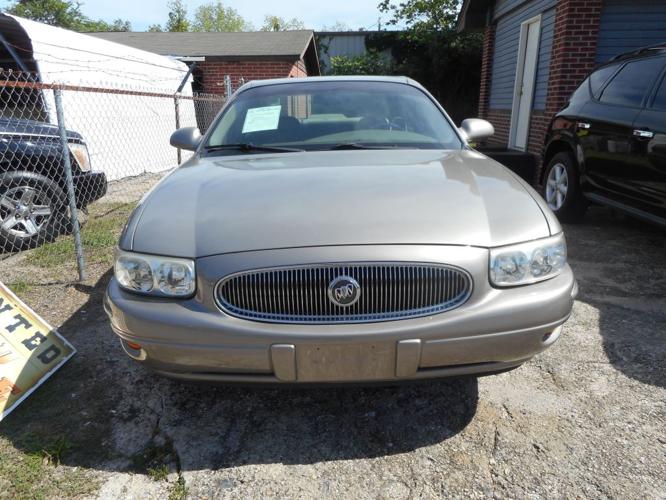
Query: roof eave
pixel 474 15
pixel 311 60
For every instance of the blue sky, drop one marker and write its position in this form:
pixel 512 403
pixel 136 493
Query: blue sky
pixel 314 13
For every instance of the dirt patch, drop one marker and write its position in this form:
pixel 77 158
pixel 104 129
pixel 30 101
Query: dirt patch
pixel 584 419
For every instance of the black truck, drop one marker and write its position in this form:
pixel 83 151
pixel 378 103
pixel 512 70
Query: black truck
pixel 33 188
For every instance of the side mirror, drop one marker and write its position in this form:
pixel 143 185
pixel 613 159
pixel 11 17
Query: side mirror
pixel 476 129
pixel 187 138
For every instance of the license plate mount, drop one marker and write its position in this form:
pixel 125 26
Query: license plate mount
pixel 345 362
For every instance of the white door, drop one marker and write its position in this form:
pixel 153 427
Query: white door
pixel 528 53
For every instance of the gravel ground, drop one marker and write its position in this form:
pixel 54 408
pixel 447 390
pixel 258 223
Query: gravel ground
pixel 587 418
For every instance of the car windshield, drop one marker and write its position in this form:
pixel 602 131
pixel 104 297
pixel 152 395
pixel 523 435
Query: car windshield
pixel 328 115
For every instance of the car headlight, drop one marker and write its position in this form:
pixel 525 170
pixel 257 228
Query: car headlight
pixel 154 275
pixel 528 262
pixel 80 153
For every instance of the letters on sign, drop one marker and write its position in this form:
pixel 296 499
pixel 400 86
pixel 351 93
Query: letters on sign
pixel 30 351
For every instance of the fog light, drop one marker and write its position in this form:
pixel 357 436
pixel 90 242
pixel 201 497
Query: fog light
pixel 550 338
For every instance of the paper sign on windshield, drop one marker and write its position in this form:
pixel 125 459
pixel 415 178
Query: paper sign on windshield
pixel 258 119
pixel 30 351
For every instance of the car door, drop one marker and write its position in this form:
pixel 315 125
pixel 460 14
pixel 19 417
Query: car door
pixel 606 128
pixel 650 147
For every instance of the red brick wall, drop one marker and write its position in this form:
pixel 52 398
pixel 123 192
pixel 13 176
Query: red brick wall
pixel 574 48
pixel 298 70
pixel 486 69
pixel 213 72
pixel 538 127
pixel 501 120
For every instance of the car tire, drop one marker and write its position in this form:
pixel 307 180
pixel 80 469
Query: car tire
pixel 561 188
pixel 32 210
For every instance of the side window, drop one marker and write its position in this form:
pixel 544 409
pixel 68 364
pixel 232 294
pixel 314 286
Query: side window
pixel 660 96
pixel 599 77
pixel 628 87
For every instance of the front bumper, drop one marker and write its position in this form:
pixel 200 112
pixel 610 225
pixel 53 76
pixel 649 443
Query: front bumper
pixel 89 187
pixel 193 340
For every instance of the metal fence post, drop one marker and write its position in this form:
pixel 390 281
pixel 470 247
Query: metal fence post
pixel 176 108
pixel 227 85
pixel 71 196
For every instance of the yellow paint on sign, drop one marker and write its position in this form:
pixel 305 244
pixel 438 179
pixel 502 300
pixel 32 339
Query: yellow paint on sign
pixel 30 351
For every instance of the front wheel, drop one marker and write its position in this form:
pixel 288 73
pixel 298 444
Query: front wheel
pixel 561 188
pixel 31 210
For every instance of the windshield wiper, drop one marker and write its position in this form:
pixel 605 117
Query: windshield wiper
pixel 248 147
pixel 358 145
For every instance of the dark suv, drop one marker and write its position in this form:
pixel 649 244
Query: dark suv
pixel 33 201
pixel 608 145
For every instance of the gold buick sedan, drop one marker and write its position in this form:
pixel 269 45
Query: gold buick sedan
pixel 335 230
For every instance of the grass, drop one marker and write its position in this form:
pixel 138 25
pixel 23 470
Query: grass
pixel 179 489
pixel 99 238
pixel 51 451
pixel 19 287
pixel 35 472
pixel 54 452
pixel 158 473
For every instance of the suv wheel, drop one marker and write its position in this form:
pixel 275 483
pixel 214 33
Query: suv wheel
pixel 561 188
pixel 31 210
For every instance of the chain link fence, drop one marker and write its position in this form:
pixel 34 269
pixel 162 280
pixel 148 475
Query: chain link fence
pixel 75 160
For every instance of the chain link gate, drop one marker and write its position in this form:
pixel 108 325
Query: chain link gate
pixel 75 160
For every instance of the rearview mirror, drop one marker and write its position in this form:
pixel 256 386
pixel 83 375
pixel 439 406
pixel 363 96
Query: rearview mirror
pixel 187 138
pixel 476 129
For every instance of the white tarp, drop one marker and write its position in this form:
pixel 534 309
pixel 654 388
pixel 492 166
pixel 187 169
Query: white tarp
pixel 126 134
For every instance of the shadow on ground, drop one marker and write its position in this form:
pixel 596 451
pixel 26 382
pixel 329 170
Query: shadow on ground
pixel 117 416
pixel 620 264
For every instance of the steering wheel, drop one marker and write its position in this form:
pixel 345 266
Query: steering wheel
pixel 397 123
pixel 373 123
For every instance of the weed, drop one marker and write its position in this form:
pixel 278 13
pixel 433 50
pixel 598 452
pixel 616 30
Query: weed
pixel 55 451
pixel 179 489
pixel 19 287
pixel 158 473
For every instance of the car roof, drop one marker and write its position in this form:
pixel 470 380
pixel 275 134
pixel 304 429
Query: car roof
pixel 347 78
pixel 648 51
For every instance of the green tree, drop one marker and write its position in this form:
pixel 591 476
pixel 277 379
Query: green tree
pixel 277 23
pixel 431 51
pixel 214 16
pixel 54 12
pixel 338 26
pixel 422 16
pixel 117 25
pixel 155 28
pixel 64 14
pixel 370 63
pixel 177 17
pixel 121 25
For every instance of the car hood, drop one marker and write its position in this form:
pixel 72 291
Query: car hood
pixel 32 128
pixel 240 203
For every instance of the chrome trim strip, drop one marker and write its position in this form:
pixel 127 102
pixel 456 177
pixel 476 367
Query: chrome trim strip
pixel 455 283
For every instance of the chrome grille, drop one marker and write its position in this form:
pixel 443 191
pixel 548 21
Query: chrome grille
pixel 388 291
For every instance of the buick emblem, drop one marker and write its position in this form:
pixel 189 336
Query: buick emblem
pixel 344 291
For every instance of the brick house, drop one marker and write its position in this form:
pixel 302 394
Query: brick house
pixel 244 56
pixel 536 52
